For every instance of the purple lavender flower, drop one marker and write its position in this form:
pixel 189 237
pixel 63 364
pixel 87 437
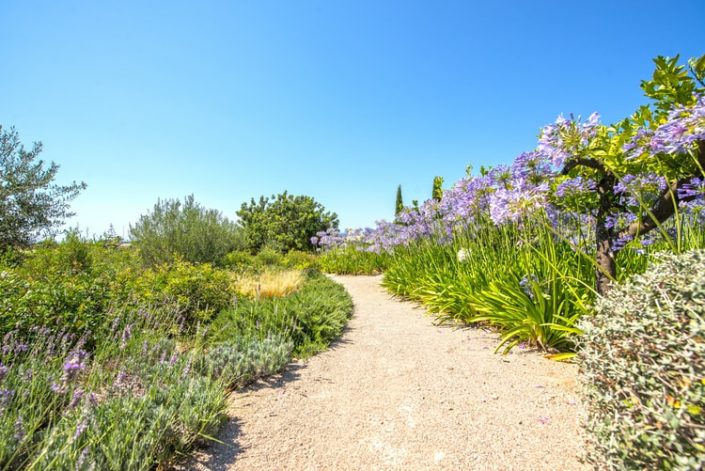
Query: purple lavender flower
pixel 19 429
pixel 3 371
pixel 74 365
pixel 82 458
pixel 574 187
pixel 81 427
pixel 115 324
pixel 120 379
pixel 21 348
pixel 187 369
pixel 527 283
pixel 694 189
pixel 567 138
pixel 126 335
pixel 684 127
pixel 6 396
pixel 76 398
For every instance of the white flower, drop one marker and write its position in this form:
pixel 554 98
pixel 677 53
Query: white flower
pixel 463 255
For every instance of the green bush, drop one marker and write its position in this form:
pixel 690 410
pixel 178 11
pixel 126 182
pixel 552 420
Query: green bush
pixel 194 292
pixel 528 285
pixel 284 222
pixel 268 257
pixel 311 317
pixel 300 260
pixel 240 260
pixel 350 260
pixel 188 231
pixel 243 360
pixel 132 403
pixel 68 286
pixel 643 369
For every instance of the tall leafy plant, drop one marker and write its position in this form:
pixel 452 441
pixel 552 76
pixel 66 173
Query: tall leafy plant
pixel 185 230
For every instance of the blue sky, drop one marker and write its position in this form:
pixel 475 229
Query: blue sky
pixel 340 100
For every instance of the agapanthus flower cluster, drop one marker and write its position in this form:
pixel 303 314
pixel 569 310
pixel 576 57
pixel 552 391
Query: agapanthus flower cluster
pixel 333 238
pixel 535 183
pixel 567 138
pixel 683 128
pixel 640 190
pixel 504 194
pixel 574 187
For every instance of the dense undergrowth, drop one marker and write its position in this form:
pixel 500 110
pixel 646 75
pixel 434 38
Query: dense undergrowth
pixel 108 363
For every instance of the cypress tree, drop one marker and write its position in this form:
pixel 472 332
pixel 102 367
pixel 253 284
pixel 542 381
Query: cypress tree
pixel 399 203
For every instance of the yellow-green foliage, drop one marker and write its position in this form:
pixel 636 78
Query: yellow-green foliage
pixel 300 260
pixel 198 292
pixel 269 283
pixel 67 286
pixel 242 261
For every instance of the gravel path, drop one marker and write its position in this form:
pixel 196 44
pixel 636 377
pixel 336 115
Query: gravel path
pixel 397 392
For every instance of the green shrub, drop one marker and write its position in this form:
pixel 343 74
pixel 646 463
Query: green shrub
pixel 188 231
pixel 285 222
pixel 351 261
pixel 195 292
pixel 69 286
pixel 528 285
pixel 268 257
pixel 300 260
pixel 243 360
pixel 643 369
pixel 240 260
pixel 311 317
pixel 132 403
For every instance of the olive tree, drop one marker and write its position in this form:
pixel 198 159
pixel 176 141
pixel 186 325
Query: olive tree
pixel 32 204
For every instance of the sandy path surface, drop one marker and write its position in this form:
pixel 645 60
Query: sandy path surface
pixel 397 392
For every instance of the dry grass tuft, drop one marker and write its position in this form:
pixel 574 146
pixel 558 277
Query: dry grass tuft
pixel 269 284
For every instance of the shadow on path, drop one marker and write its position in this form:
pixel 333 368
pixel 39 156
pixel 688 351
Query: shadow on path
pixel 219 455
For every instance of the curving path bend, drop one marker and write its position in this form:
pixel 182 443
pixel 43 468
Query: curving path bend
pixel 397 392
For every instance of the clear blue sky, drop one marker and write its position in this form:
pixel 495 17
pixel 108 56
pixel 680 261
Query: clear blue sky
pixel 341 100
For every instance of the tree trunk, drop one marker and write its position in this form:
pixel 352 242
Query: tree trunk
pixel 607 269
pixel 606 266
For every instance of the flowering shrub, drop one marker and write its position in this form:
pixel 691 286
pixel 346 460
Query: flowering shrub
pixel 642 369
pixel 130 403
pixel 602 187
pixel 580 212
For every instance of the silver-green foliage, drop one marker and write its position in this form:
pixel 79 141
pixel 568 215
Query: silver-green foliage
pixel 643 369
pixel 238 363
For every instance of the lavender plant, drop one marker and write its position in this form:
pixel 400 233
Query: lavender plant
pixel 130 403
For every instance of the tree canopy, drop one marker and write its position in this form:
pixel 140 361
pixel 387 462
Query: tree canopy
pixel 32 205
pixel 284 222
